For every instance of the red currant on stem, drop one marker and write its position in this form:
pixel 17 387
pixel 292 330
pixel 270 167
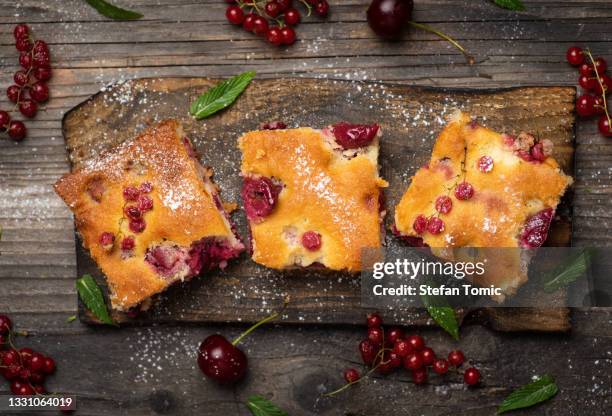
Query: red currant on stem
pixel 42 73
pixel 394 335
pixel 288 35
pixel 575 56
pixel 221 360
pixel 234 15
pixel 456 358
pixel 471 376
pixel 5 118
pixel 284 4
pixel 28 108
pixel 260 25
pixel 21 31
pixel 39 91
pixel 274 36
pixel 292 16
pixel 605 126
pixel 272 8
pixel 13 92
pixel 585 105
pixel 440 366
pixel 376 335
pixel 351 375
pixel 322 8
pixel 419 376
pixel 17 130
pixel 374 320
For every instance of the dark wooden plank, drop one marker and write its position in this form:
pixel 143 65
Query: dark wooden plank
pixel 410 117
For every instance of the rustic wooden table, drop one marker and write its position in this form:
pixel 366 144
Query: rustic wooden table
pixel 143 371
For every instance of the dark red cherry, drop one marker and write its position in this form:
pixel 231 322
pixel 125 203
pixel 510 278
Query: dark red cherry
pixel 221 361
pixel 259 196
pixel 388 18
pixel 353 136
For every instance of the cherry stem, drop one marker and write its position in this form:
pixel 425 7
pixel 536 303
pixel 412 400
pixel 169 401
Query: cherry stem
pixel 602 86
pixel 427 28
pixel 260 323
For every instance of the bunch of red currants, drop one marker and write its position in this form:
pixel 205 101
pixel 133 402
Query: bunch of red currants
pixel 596 85
pixel 273 19
pixel 30 86
pixel 24 368
pixel 385 351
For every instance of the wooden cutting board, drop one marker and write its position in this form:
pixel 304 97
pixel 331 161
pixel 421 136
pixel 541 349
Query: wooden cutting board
pixel 410 118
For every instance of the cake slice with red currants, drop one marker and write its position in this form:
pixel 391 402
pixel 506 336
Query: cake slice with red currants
pixel 150 215
pixel 483 189
pixel 313 197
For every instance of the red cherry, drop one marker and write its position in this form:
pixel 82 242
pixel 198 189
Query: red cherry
pixel 419 376
pixel 416 342
pixel 128 243
pixel 402 348
pixel 376 335
pixel 25 60
pixel 273 36
pixel 604 126
pixel 351 375
pixel 393 335
pixel 234 15
pixel 585 105
pixel 288 35
pixel 28 108
pixel 353 136
pixel 17 130
pixel 368 351
pixel 420 224
pixel 39 92
pixel 464 191
pixel 13 93
pixel 428 356
pixel 440 366
pixel 374 320
pixel 435 225
pixel 311 240
pixel 322 8
pixel 413 361
pixel 249 22
pixel 221 361
pixel 456 358
pixel 42 73
pixel 21 78
pixel 389 18
pixel 444 204
pixel 292 17
pixel 601 65
pixel 586 69
pixel 5 119
pixel 21 31
pixel 575 56
pixel 260 25
pixel 471 376
pixel 272 9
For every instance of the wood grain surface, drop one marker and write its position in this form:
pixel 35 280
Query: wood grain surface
pixel 410 117
pixel 144 371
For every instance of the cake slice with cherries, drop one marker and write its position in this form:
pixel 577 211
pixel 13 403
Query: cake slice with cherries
pixel 150 215
pixel 483 189
pixel 312 197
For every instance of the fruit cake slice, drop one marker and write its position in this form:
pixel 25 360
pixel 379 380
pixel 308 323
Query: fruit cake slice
pixel 483 189
pixel 149 214
pixel 312 197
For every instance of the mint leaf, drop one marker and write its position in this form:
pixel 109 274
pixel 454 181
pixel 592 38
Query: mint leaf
pixel 114 12
pixel 91 295
pixel 263 407
pixel 567 272
pixel 510 4
pixel 442 313
pixel 529 394
pixel 220 96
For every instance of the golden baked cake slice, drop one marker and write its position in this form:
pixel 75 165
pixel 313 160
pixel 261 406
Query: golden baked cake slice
pixel 149 214
pixel 312 196
pixel 483 189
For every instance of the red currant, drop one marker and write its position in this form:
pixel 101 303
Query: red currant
pixel 575 56
pixel 440 366
pixel 419 376
pixel 601 65
pixel 28 108
pixel 322 8
pixel 42 73
pixel 5 118
pixel 131 193
pixel 471 376
pixel 145 203
pixel 272 8
pixel 485 164
pixel 598 106
pixel 25 60
pixel 374 320
pixel 248 22
pixel 260 25
pixel 37 362
pixel 402 348
pixel 456 358
pixel 48 366
pixel 413 361
pixel 23 44
pixel 137 226
pixel 292 17
pixel 604 126
pixel 585 105
pixel 464 191
pixel 288 35
pixel 284 4
pixel 21 78
pixel 21 31
pixel 588 83
pixel 444 204
pixel 311 240
pixel 393 335
pixel 586 70
pixel 416 342
pixel 234 15
pixel 17 130
pixel 351 375
pixel 39 92
pixel 420 224
pixel 13 93
pixel 428 356
pixel 5 327
pixel 127 243
pixel 368 352
pixel 376 335
pixel 273 35
pixel 435 225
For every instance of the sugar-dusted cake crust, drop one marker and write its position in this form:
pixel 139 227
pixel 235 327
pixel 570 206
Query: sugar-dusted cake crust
pixel 185 210
pixel 323 189
pixel 507 194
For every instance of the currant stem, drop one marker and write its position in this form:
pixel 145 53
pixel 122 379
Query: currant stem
pixel 601 84
pixel 260 323
pixel 379 355
pixel 470 59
